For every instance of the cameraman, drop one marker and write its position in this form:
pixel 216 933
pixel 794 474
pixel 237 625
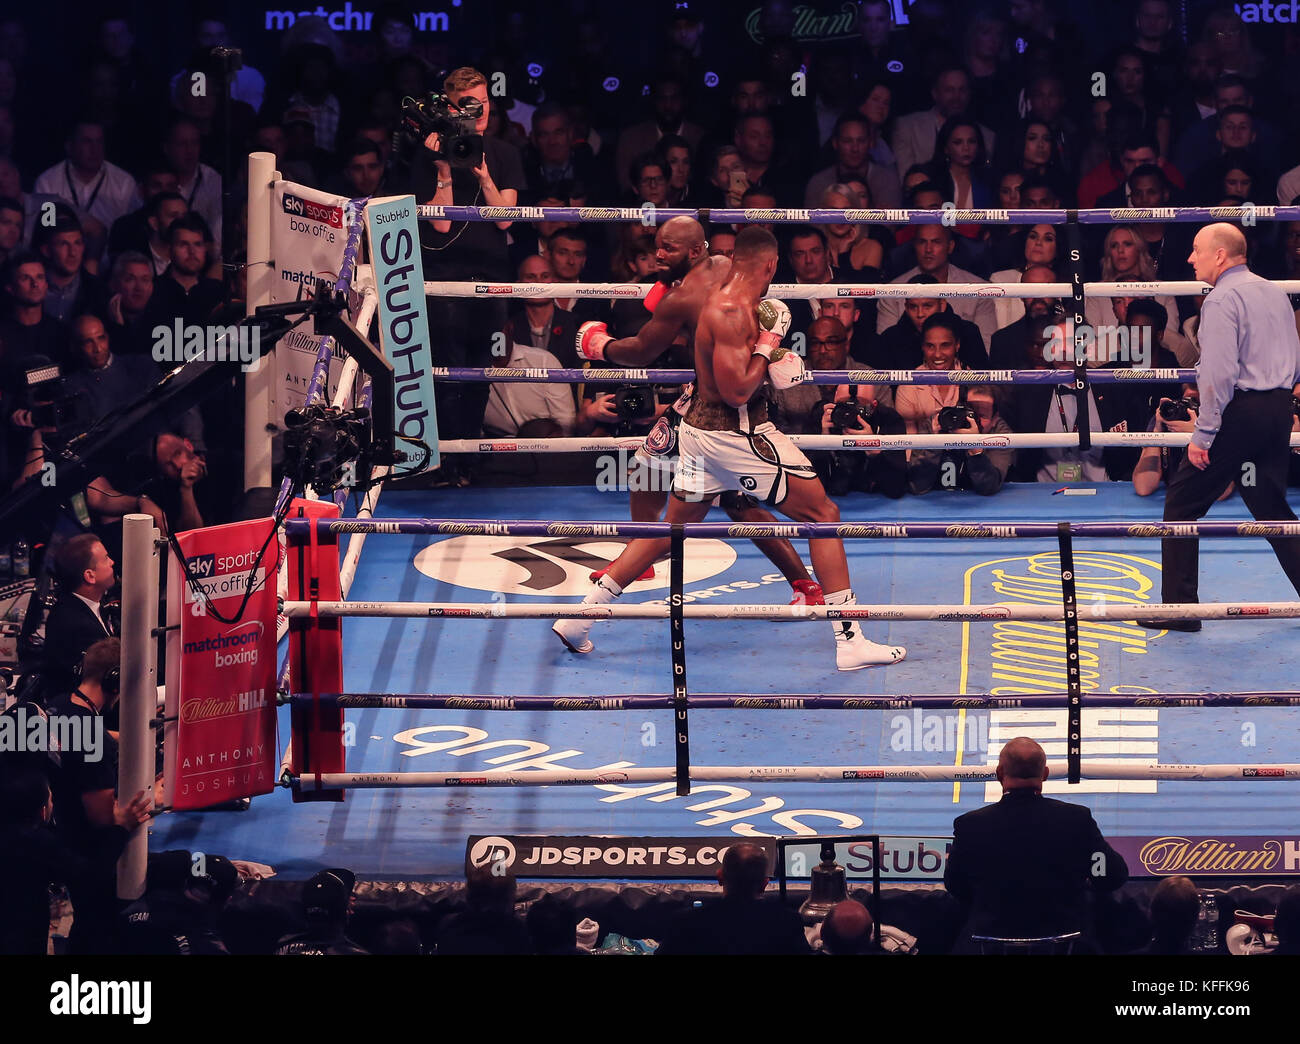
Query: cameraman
pixel 849 410
pixel 1158 463
pixel 463 328
pixel 983 470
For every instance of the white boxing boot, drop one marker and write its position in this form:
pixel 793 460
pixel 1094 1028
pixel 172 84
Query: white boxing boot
pixel 573 630
pixel 852 649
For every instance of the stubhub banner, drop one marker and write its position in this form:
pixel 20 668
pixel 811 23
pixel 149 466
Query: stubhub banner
pixel 403 322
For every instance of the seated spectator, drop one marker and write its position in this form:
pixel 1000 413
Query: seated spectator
pixel 126 316
pixel 674 154
pixel 72 288
pixel 960 164
pixel 858 316
pixel 649 176
pixel 363 169
pixel 918 403
pixel 741 922
pixel 853 253
pixel 853 142
pixel 915 134
pixel 86 574
pixel 807 262
pixel 1054 408
pixel 728 181
pixel 1009 348
pixel 37 859
pixel 86 181
pixel 90 817
pixel 1126 259
pixel 899 347
pixel 847 930
pixel 488 923
pixel 11 227
pixel 26 328
pixel 982 470
pixel 158 479
pixel 1288 187
pixel 1106 185
pixel 1286 922
pixel 566 252
pixel 327 901
pixel 933 245
pixel 1039 250
pixel 668 105
pixel 198 184
pixel 1023 867
pixel 756 198
pixel 722 243
pixel 551 157
pixel 107 382
pixel 967 252
pixel 180 912
pixel 755 140
pixel 160 212
pixel 1175 906
pixel 530 410
pixel 183 291
pixel 538 322
pixel 131 232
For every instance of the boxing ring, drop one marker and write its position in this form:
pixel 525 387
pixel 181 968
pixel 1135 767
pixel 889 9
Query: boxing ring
pixel 710 707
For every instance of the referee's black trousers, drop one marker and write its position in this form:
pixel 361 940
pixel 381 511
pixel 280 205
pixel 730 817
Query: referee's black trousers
pixel 1256 430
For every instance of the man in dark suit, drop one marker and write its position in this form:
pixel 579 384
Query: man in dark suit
pixel 740 922
pixel 1024 866
pixel 85 573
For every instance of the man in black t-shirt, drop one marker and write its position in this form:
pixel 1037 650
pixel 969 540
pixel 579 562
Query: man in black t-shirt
pixel 461 330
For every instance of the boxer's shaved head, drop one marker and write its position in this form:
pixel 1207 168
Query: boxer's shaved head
pixel 1022 765
pixel 754 244
pixel 684 230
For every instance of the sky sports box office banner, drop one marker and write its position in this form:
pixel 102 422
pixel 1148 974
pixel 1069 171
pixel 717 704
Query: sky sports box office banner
pixel 309 233
pixel 901 858
pixel 220 742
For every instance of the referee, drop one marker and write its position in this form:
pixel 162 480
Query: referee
pixel 1250 359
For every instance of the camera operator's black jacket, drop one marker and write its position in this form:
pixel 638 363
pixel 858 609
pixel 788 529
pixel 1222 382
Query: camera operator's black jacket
pixel 847 471
pixel 984 473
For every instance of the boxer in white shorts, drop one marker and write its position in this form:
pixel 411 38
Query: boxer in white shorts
pixel 727 443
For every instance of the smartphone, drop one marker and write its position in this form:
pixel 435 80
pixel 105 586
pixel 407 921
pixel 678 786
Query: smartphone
pixel 738 182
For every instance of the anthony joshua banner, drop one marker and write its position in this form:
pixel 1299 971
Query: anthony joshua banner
pixel 403 322
pixel 220 733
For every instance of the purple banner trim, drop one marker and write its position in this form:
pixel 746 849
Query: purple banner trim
pixel 296 529
pixel 794 701
pixel 507 375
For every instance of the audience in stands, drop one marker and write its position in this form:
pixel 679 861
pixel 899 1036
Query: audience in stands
pixel 326 904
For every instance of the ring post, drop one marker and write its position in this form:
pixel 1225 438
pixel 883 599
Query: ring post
pixel 139 688
pixel 681 725
pixel 1073 684
pixel 258 385
pixel 1082 415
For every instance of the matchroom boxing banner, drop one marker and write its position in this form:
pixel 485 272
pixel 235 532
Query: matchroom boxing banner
pixel 309 232
pixel 219 742
pixel 394 235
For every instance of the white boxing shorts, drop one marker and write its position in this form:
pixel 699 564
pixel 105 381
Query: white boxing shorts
pixel 760 462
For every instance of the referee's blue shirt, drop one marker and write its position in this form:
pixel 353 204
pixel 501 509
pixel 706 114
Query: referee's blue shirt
pixel 1248 341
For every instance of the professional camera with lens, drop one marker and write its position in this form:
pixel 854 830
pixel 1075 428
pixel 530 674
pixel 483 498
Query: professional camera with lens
pixel 452 122
pixel 953 419
pixel 1178 409
pixel 50 403
pixel 634 402
pixel 851 413
pixel 320 441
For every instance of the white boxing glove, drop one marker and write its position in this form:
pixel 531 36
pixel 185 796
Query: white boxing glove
pixel 785 368
pixel 592 338
pixel 773 324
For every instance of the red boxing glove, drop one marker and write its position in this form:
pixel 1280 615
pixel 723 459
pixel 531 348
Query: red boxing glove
pixel 655 295
pixel 592 338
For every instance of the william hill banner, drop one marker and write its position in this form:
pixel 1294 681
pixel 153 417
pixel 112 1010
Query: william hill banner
pixel 1197 855
pixel 403 322
pixel 220 738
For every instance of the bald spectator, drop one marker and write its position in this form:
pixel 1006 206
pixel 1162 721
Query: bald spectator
pixel 1007 350
pixel 1025 867
pixel 1175 906
pixel 741 922
pixel 847 930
